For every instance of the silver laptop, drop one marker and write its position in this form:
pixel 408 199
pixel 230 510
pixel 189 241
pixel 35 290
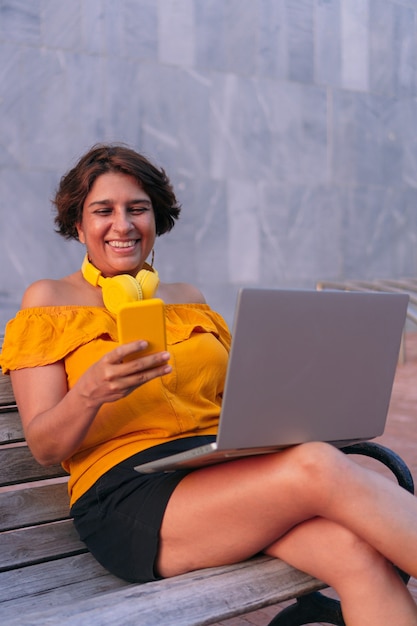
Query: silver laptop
pixel 304 366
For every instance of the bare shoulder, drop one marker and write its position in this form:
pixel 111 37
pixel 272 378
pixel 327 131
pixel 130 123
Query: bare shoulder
pixel 181 293
pixel 48 292
pixel 40 293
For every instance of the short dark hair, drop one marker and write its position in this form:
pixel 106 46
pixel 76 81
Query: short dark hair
pixel 100 159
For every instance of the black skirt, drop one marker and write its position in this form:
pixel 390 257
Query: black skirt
pixel 120 516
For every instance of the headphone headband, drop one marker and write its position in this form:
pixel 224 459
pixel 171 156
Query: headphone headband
pixel 91 274
pixel 122 288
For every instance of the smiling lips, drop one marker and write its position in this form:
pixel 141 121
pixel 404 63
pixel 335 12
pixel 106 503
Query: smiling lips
pixel 123 244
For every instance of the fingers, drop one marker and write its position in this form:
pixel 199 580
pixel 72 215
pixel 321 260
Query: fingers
pixel 148 367
pixel 129 351
pixel 142 376
pixel 136 352
pixel 128 369
pixel 114 377
pixel 126 350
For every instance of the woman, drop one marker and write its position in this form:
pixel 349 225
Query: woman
pixel 84 405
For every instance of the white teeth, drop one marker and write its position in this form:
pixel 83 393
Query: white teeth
pixel 122 244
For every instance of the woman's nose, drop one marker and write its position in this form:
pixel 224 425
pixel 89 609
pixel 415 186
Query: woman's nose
pixel 122 222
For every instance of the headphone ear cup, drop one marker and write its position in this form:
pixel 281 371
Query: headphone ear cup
pixel 120 290
pixel 149 281
pixel 123 288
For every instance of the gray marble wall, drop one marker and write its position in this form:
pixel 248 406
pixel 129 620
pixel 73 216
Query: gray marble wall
pixel 287 127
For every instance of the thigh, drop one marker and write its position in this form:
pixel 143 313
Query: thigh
pixel 228 512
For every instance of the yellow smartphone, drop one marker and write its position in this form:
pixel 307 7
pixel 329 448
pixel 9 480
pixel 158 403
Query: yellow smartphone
pixel 144 319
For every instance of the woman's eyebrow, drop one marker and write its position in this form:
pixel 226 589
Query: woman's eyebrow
pixel 140 201
pixel 107 202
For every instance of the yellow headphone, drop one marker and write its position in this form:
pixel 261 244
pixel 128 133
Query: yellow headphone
pixel 122 288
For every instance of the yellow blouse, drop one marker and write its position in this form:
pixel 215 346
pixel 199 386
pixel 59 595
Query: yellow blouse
pixel 183 403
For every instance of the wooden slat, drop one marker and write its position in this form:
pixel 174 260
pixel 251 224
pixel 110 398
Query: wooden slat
pixel 27 546
pixel 10 427
pixel 6 391
pixel 35 580
pixel 402 285
pixel 68 593
pixel 409 284
pixel 52 584
pixel 33 505
pixel 17 465
pixel 194 599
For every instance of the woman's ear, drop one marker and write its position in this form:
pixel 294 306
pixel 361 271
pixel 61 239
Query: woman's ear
pixel 80 232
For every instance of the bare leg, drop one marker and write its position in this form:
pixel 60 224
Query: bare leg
pixel 228 512
pixel 370 589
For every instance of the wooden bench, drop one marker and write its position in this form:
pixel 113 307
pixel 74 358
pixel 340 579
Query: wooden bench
pixel 393 285
pixel 48 578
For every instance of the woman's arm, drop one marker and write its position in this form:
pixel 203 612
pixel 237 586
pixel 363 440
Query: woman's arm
pixel 55 419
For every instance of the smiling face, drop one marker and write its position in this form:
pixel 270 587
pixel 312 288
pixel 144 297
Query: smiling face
pixel 118 224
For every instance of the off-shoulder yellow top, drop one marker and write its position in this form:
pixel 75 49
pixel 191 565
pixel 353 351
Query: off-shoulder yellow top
pixel 183 403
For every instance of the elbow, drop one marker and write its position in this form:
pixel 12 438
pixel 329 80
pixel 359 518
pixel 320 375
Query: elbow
pixel 48 462
pixel 45 456
pixel 45 459
pixel 46 452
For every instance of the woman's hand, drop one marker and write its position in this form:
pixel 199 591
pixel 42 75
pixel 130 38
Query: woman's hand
pixel 120 372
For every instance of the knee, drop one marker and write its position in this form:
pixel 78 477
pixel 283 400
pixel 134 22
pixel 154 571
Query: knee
pixel 318 461
pixel 316 470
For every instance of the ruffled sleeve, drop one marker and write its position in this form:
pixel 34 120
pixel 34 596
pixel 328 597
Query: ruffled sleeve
pixel 184 320
pixel 45 335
